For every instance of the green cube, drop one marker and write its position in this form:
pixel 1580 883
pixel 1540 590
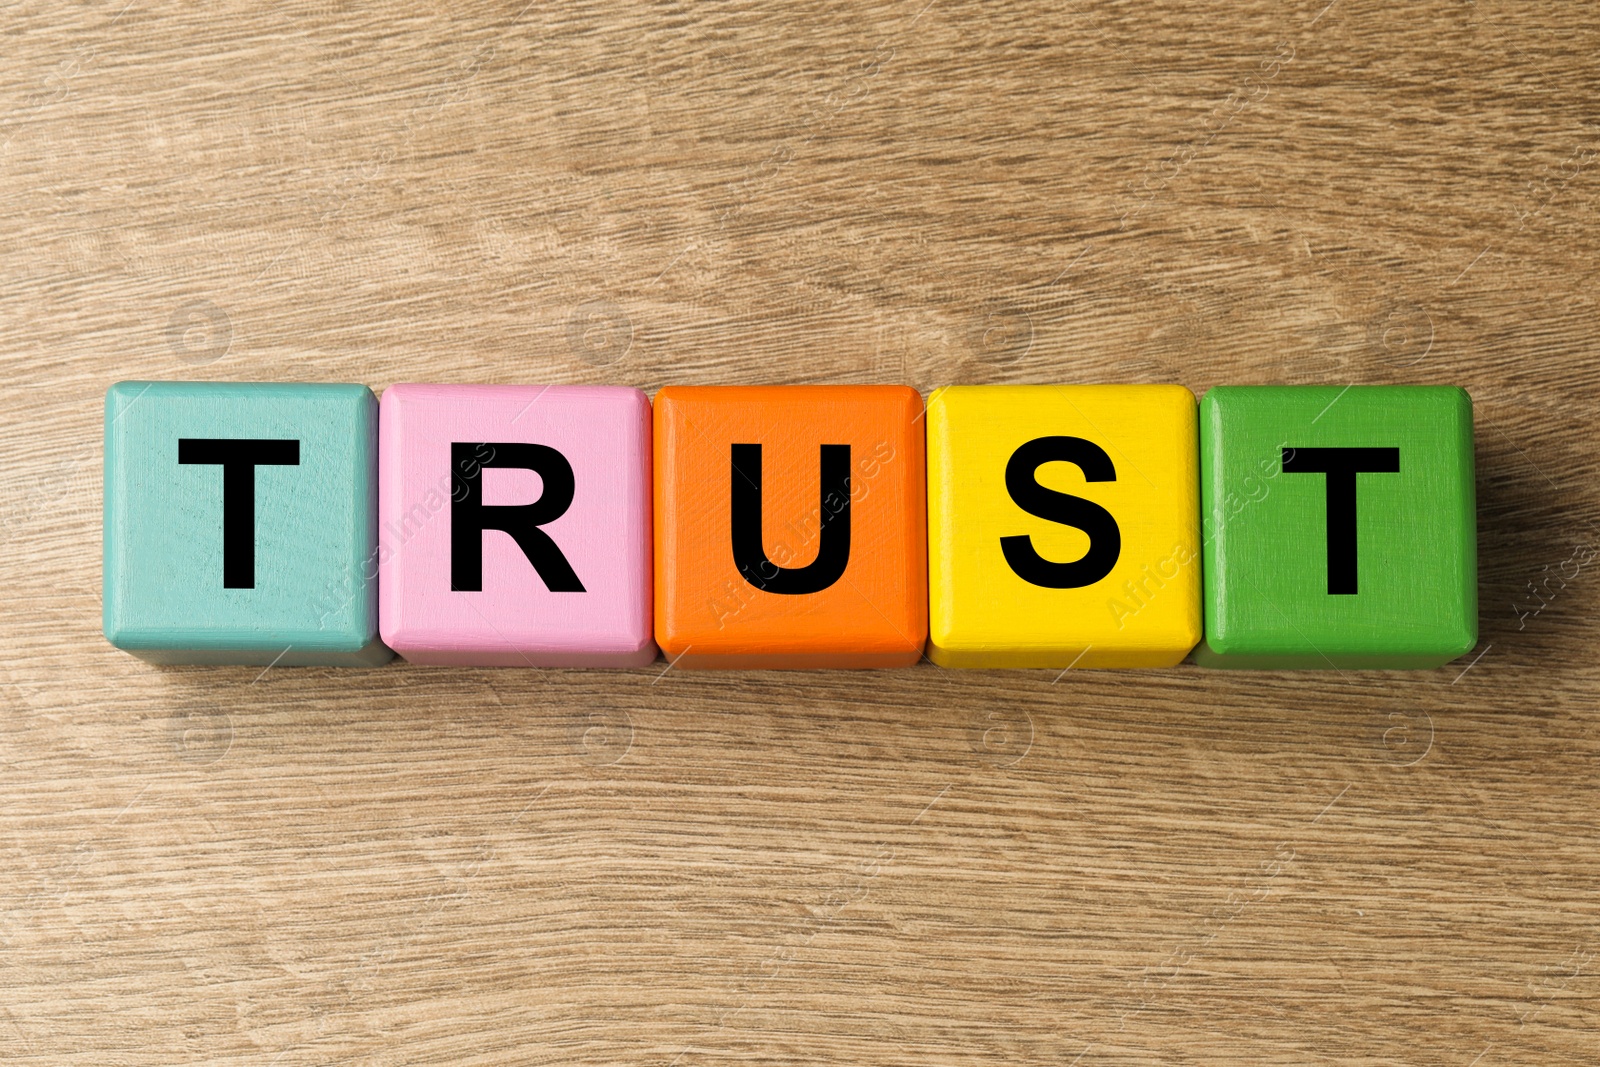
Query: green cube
pixel 1340 526
pixel 241 523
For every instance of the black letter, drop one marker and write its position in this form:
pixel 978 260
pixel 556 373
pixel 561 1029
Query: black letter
pixel 239 459
pixel 1105 540
pixel 469 516
pixel 1341 465
pixel 833 529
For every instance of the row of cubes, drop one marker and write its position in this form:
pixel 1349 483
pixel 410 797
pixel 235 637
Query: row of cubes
pixel 790 526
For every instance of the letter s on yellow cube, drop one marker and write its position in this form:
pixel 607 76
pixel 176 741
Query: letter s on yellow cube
pixel 1063 526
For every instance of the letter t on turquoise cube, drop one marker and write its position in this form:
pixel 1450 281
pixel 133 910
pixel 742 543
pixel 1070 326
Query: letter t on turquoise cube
pixel 241 523
pixel 1340 526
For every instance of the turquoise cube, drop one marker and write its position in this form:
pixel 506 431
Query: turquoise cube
pixel 241 523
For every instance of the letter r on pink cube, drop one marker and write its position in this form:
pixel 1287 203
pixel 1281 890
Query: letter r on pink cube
pixel 514 525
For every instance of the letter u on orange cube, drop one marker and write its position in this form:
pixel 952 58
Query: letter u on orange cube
pixel 791 526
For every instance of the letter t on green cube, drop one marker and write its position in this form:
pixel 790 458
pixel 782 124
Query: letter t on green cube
pixel 1340 526
pixel 241 523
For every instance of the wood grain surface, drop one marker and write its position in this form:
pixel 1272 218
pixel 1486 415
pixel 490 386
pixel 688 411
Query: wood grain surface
pixel 451 866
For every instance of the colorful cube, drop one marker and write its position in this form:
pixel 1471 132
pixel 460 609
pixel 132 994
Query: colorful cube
pixel 240 523
pixel 1063 526
pixel 515 525
pixel 1340 526
pixel 790 526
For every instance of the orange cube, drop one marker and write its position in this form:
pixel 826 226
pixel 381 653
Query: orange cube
pixel 790 526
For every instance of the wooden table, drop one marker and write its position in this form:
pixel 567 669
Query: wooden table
pixel 445 866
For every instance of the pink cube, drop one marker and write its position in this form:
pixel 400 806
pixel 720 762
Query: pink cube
pixel 514 525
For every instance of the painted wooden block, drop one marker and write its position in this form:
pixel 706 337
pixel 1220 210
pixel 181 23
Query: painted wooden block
pixel 790 526
pixel 1340 526
pixel 239 523
pixel 515 525
pixel 1062 526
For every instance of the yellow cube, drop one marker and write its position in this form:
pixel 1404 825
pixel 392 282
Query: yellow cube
pixel 1063 526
